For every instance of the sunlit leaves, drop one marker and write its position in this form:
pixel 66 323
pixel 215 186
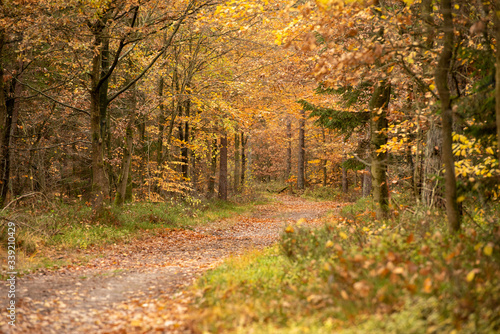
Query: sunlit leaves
pixel 474 159
pixel 488 249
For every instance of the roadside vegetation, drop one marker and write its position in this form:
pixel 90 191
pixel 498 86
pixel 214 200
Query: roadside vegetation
pixel 46 230
pixel 357 274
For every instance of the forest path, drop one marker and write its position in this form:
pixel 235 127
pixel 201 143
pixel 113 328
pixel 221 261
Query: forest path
pixel 140 287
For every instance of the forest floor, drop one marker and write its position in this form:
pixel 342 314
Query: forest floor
pixel 143 285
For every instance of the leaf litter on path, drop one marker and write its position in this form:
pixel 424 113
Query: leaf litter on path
pixel 141 286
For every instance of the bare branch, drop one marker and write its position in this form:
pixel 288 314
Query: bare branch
pixel 52 99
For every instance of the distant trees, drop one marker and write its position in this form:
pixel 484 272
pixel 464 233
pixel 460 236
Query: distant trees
pixel 104 100
pixel 426 117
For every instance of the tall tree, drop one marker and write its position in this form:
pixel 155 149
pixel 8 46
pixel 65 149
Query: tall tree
pixel 124 179
pixel 302 151
pixel 243 159
pixel 223 168
pixel 5 126
pixel 496 15
pixel 212 157
pixel 288 169
pixel 237 163
pixel 378 107
pixel 441 79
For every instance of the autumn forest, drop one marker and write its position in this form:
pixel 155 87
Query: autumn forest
pixel 264 166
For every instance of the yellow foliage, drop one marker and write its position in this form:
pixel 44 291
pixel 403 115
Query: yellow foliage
pixel 471 275
pixel 488 249
pixel 301 221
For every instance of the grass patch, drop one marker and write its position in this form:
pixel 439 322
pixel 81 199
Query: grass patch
pixel 361 275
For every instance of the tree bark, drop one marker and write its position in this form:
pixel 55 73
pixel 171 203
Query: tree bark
pixel 441 79
pixel 345 184
pixel 121 194
pixel 185 139
pixel 16 91
pixel 367 182
pixel 124 184
pixel 288 170
pixel 5 130
pixel 3 124
pixel 237 163
pixel 302 151
pixel 432 166
pixel 223 168
pixel 213 169
pixel 367 175
pixel 243 160
pixel 378 106
pixel 417 173
pixel 324 161
pixel 100 187
pixel 496 14
pixel 161 124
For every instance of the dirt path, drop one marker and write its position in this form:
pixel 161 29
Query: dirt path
pixel 140 287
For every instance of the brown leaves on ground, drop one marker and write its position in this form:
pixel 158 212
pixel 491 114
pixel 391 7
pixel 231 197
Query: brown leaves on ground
pixel 140 286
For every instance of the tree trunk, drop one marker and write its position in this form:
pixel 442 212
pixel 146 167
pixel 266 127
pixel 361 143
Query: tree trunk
pixel 302 151
pixel 223 168
pixel 185 139
pixel 441 79
pixel 496 14
pixel 417 173
pixel 237 163
pixel 288 170
pixel 213 169
pixel 378 107
pixel 121 194
pixel 103 93
pixel 367 182
pixel 161 124
pixel 124 184
pixel 5 126
pixel 411 164
pixel 324 161
pixel 431 192
pixel 367 175
pixel 194 171
pixel 345 184
pixel 100 187
pixel 105 116
pixel 243 160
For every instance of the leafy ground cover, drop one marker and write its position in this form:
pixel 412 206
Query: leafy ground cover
pixel 357 275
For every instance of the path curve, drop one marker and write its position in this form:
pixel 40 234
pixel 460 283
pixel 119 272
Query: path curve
pixel 140 287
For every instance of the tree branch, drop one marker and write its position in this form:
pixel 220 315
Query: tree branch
pixel 153 61
pixel 52 99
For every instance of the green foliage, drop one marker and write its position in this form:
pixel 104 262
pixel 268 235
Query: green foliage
pixel 353 164
pixel 344 121
pixel 349 95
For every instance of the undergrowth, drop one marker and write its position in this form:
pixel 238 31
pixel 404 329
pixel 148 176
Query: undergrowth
pixel 361 275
